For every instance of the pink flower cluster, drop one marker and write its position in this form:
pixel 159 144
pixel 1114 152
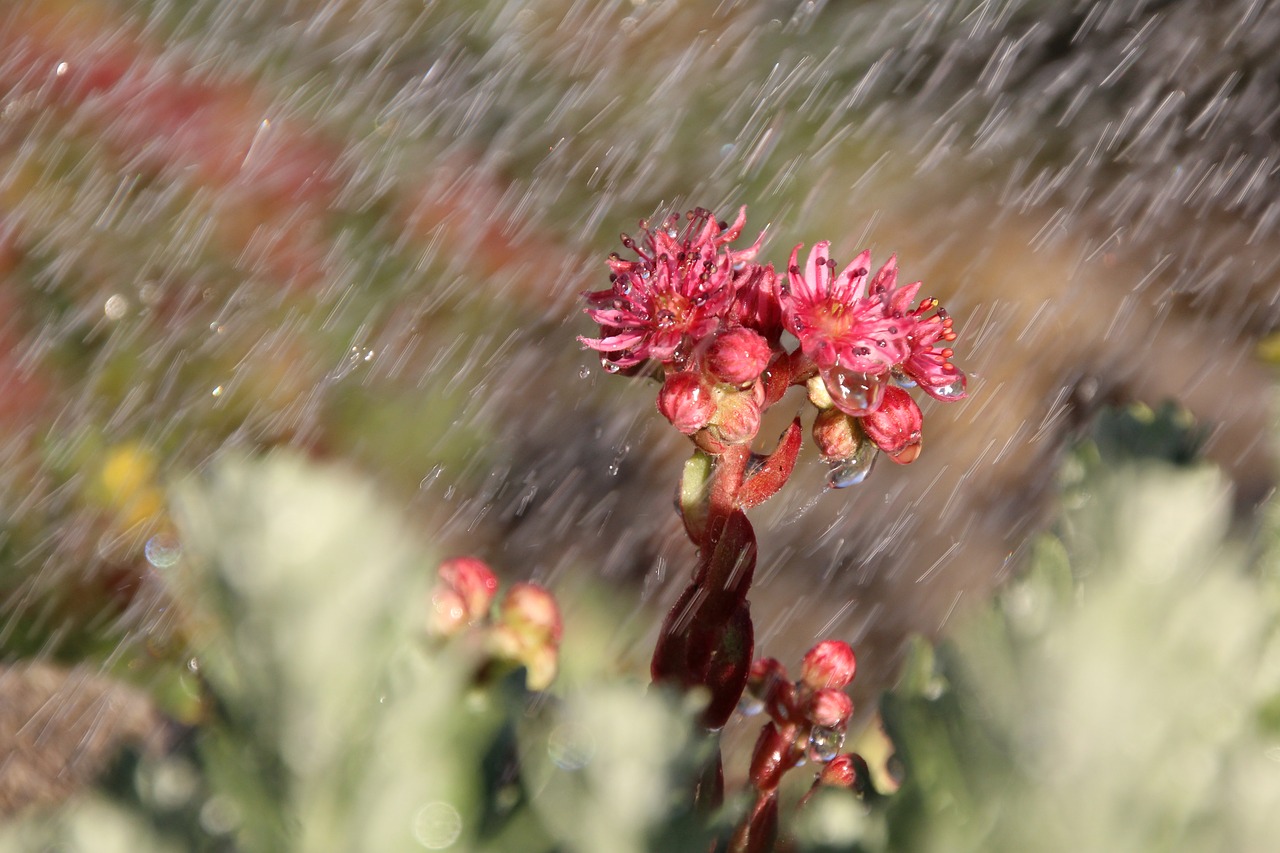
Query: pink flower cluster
pixel 524 630
pixel 713 320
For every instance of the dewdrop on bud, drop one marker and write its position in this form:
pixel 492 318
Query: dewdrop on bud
pixel 829 664
pixel 687 402
pixel 473 581
pixel 825 743
pixel 738 356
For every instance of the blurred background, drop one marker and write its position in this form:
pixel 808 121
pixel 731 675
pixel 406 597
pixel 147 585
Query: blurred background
pixel 360 228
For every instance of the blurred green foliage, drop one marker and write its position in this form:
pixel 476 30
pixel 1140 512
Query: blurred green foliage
pixel 1121 694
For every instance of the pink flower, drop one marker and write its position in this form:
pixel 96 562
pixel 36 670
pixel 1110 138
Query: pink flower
pixel 756 302
pixel 837 323
pixel 674 295
pixel 925 365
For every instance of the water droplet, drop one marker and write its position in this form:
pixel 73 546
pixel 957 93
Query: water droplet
pixel 163 550
pixel 217 392
pixel 115 307
pixel 584 373
pixel 750 704
pixel 854 470
pixel 952 390
pixel 608 366
pixel 61 69
pixel 437 825
pixel 902 380
pixel 356 356
pixel 854 393
pixel 825 743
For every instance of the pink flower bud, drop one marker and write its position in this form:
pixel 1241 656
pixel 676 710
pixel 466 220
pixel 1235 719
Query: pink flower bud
pixel 837 435
pixel 531 611
pixel 839 772
pixel 448 612
pixel 830 663
pixel 738 356
pixel 687 402
pixel 830 708
pixel 473 581
pixel 895 426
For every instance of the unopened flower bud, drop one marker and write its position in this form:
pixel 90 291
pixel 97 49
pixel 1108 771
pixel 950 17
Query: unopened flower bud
pixel 829 664
pixel 895 426
pixel 531 611
pixel 738 356
pixel 473 581
pixel 768 682
pixel 448 612
pixel 816 388
pixel 839 772
pixel 736 421
pixel 837 435
pixel 687 402
pixel 830 708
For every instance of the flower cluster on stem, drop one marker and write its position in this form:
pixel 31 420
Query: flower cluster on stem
pixel 727 336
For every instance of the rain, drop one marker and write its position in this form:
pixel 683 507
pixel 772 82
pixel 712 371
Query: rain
pixel 360 230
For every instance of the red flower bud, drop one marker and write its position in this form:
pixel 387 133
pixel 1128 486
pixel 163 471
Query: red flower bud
pixel 830 708
pixel 895 426
pixel 687 402
pixel 473 581
pixel 768 682
pixel 830 663
pixel 738 356
pixel 839 772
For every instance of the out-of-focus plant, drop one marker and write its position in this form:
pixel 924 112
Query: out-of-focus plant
pixel 348 706
pixel 1122 695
